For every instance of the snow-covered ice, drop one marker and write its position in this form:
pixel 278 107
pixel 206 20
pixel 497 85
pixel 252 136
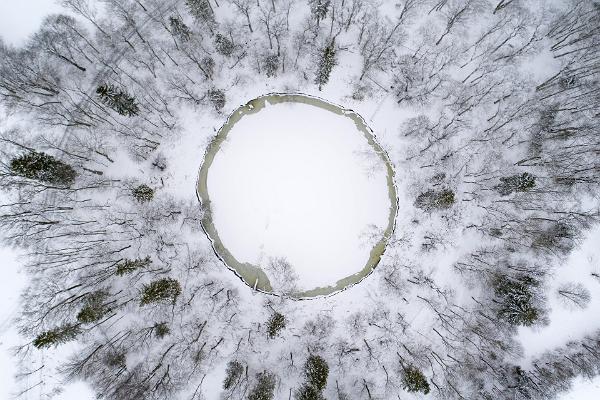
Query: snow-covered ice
pixel 296 181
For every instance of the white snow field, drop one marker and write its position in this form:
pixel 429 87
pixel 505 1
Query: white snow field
pixel 300 183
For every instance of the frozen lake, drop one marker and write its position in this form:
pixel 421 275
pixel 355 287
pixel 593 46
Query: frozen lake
pixel 300 197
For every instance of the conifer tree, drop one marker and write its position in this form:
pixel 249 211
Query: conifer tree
pixel 202 11
pixel 316 371
pixel 94 308
pixel 162 290
pixel 143 193
pixel 233 374
pixel 128 266
pixel 54 337
pixel 217 98
pixel 433 199
pixel 515 299
pixel 161 330
pixel 319 9
pixel 414 380
pixel 179 29
pixel 223 45
pixel 271 64
pixel 275 325
pixel 264 388
pixel 43 167
pixel 117 99
pixel 326 63
pixel 515 183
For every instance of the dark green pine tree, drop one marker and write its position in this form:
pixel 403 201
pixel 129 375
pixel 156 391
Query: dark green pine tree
pixel 128 266
pixel 316 371
pixel 179 29
pixel 414 380
pixel 515 183
pixel 54 337
pixel 223 45
pixel 95 307
pixel 161 329
pixel 143 193
pixel 326 63
pixel 432 199
pixel 271 65
pixel 308 392
pixel 217 98
pixel 264 388
pixel 162 290
pixel 42 167
pixel 515 299
pixel 233 373
pixel 117 99
pixel 202 11
pixel 319 9
pixel 275 324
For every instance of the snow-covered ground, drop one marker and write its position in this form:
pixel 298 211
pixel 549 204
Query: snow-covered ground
pixel 302 183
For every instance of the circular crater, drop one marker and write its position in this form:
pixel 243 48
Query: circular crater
pixel 299 198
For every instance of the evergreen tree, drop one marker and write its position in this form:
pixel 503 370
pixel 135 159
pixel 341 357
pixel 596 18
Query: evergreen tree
pixel 118 100
pixel 223 45
pixel 143 193
pixel 319 9
pixel 233 373
pixel 128 266
pixel 515 299
pixel 217 98
pixel 316 371
pixel 326 63
pixel 308 392
pixel 264 388
pixel 56 336
pixel 202 11
pixel 161 330
pixel 94 308
pixel 44 168
pixel 515 183
pixel 433 199
pixel 179 29
pixel 414 380
pixel 162 290
pixel 275 324
pixel 271 64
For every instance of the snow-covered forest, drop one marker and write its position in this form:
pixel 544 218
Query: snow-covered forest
pixel 489 287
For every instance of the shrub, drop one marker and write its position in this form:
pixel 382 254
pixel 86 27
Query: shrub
pixel 414 380
pixel 42 167
pixel 143 193
pixel 275 324
pixel 162 290
pixel 56 336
